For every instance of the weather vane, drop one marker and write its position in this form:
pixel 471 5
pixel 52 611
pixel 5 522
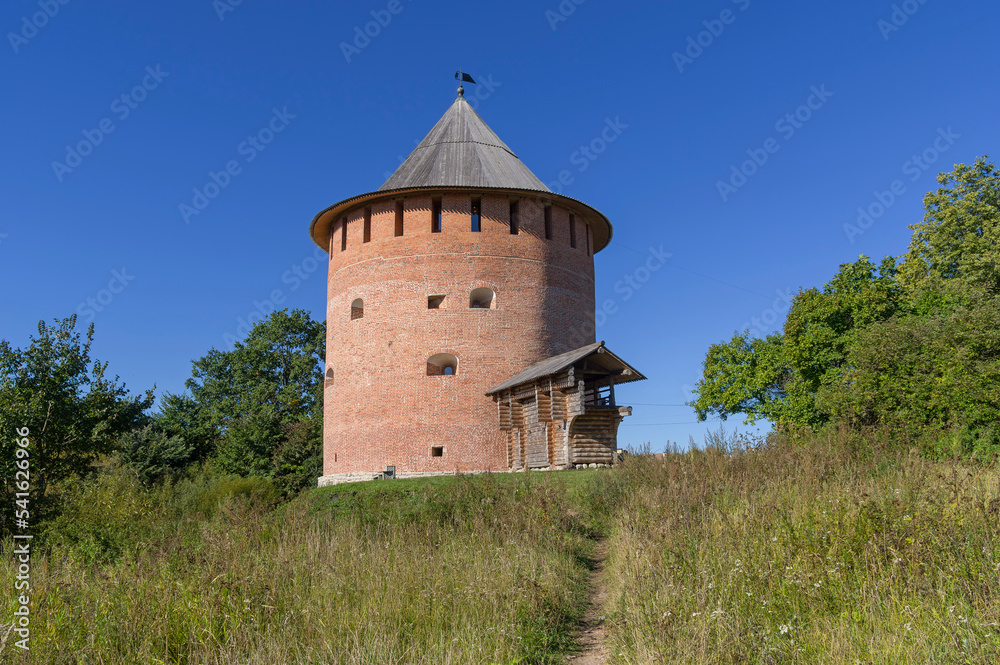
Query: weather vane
pixel 463 77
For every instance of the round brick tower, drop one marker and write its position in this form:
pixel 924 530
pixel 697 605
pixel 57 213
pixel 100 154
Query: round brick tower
pixel 458 273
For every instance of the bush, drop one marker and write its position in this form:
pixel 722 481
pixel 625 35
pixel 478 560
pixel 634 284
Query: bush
pixel 152 454
pixel 103 517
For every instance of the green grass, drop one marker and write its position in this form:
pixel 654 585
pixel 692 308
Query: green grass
pixel 835 552
pixel 844 550
pixel 482 569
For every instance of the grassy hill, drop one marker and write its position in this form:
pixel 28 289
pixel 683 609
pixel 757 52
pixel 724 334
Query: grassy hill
pixel 841 550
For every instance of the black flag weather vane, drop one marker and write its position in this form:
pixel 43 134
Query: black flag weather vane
pixel 462 76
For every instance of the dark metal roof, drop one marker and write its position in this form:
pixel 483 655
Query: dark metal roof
pixel 462 151
pixel 602 357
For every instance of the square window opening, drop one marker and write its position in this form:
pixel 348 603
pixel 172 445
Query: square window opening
pixel 437 451
pixel 435 302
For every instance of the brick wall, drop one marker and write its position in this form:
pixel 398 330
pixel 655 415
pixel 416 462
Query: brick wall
pixel 381 406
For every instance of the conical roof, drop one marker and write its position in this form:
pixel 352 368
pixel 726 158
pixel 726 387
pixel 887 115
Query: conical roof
pixel 462 151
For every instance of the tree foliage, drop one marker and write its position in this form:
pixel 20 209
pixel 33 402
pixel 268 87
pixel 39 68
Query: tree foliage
pixel 74 412
pixel 959 238
pixel 912 346
pixel 246 402
pixel 744 375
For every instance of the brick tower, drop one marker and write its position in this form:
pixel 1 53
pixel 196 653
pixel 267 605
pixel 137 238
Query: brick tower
pixel 458 273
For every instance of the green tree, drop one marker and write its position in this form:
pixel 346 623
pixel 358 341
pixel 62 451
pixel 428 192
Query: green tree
pixel 959 238
pixel 911 346
pixel 73 411
pixel 782 378
pixel 180 416
pixel 932 377
pixel 151 453
pixel 745 375
pixel 243 400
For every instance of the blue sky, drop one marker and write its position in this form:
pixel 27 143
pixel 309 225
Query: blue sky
pixel 748 135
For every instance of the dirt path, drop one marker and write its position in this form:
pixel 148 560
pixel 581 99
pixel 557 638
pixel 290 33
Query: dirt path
pixel 591 636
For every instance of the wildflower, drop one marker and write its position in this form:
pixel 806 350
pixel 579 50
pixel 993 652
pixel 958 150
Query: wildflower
pixel 783 629
pixel 908 626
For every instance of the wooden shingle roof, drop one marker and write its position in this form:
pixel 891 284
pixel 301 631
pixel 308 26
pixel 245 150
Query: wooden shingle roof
pixel 598 352
pixel 462 151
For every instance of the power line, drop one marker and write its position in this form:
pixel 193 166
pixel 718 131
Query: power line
pixel 653 404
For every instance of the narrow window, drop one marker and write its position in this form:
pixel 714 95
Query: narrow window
pixel 572 231
pixel 476 219
pixel 368 225
pixel 442 364
pixel 357 309
pixel 548 222
pixel 329 376
pixel 435 302
pixel 586 233
pixel 437 451
pixel 515 220
pixel 399 218
pixel 343 234
pixel 482 298
pixel 436 216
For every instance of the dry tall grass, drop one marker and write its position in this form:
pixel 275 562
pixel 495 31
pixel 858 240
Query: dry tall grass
pixel 472 570
pixel 839 551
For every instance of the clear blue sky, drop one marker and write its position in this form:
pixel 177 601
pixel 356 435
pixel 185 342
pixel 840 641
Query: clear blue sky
pixel 884 84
